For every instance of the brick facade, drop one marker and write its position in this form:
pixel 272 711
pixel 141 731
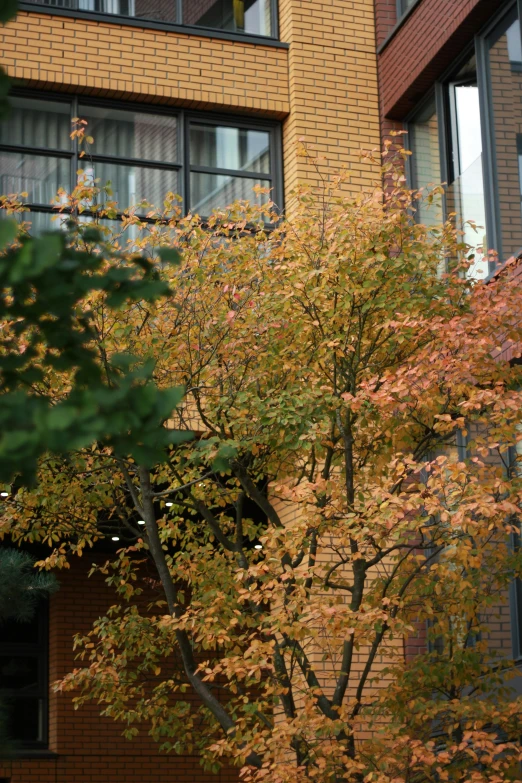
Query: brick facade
pixel 332 85
pixel 385 19
pixel 87 747
pixel 128 63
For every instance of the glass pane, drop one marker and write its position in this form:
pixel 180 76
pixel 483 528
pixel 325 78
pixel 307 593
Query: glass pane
pixel 131 184
pixel 35 123
pixel 18 672
pixel 25 719
pixel 39 176
pixel 123 238
pixel 160 10
pixel 425 161
pixel 237 16
pixel 230 148
pixel 215 191
pixel 37 223
pixel 13 632
pixel 469 139
pixel 505 73
pixel 465 196
pixel 126 134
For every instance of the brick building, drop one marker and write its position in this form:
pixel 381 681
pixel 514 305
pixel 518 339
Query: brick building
pixel 209 98
pixel 450 75
pixel 204 97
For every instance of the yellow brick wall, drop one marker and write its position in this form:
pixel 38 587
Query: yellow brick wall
pixel 333 86
pixel 325 656
pixel 120 61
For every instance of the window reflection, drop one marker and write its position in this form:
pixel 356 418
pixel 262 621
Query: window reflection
pixel 465 195
pixel 238 16
pixel 253 17
pixel 230 148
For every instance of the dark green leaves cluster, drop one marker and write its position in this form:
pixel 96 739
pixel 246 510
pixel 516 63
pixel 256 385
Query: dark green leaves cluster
pixel 45 283
pixel 21 587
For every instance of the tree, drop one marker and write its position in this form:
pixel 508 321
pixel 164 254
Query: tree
pixel 321 514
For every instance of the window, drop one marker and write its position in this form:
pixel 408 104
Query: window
pixel 238 16
pixel 138 152
pixel 465 194
pixel 226 164
pixel 250 17
pixel 479 108
pixel 423 132
pixel 24 679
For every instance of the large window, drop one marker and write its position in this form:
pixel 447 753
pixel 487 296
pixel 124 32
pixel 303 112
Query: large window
pixel 24 679
pixel 465 194
pixel 139 153
pixel 251 17
pixel 478 120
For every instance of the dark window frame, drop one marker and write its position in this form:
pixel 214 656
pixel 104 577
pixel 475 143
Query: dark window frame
pixel 41 651
pixel 144 23
pixel 183 166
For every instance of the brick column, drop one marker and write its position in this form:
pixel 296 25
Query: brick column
pixel 333 86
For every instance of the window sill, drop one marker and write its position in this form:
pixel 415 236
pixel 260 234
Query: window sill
pixel 32 753
pixel 256 40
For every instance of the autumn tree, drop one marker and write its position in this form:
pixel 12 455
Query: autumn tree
pixel 324 510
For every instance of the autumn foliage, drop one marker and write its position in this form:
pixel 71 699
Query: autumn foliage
pixel 348 483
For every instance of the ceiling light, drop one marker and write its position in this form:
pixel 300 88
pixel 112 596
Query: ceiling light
pixel 115 538
pixel 4 494
pixel 258 546
pixel 141 521
pixel 169 504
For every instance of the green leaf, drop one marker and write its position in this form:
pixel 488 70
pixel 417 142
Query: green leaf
pixel 8 230
pixel 92 235
pixel 169 255
pixel 8 9
pixel 46 251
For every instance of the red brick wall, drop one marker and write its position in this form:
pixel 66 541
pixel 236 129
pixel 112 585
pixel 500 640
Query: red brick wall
pixel 90 748
pixel 432 36
pixel 385 19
